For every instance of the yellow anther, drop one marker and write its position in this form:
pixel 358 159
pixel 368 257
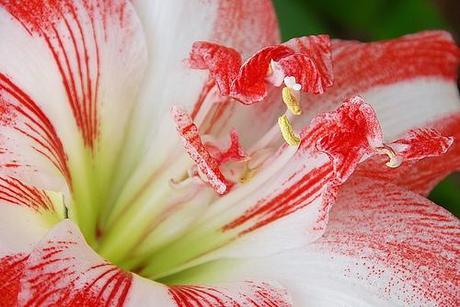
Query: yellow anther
pixel 287 131
pixel 291 101
pixel 248 174
pixel 394 161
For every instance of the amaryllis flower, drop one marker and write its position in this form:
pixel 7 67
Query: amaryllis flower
pixel 175 153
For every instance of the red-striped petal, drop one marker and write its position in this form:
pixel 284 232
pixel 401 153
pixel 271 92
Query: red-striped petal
pixel 80 38
pixel 384 246
pixel 360 66
pixel 11 269
pixel 238 294
pixel 84 61
pixel 26 214
pixel 63 271
pixel 29 143
pixel 422 143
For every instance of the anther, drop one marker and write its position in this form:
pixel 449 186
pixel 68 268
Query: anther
pixel 394 161
pixel 287 131
pixel 291 101
pixel 247 174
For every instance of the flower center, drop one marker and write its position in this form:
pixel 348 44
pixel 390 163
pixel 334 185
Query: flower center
pixel 172 219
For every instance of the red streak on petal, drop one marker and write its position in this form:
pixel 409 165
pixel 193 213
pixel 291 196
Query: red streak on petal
pixel 25 116
pixel 69 30
pixel 249 293
pixel 359 67
pixel 296 196
pixel 11 269
pixel 15 192
pixel 54 276
pixel 422 143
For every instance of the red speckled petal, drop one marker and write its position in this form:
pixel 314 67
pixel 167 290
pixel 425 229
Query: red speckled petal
pixel 67 70
pixel 384 246
pixel 422 143
pixel 223 63
pixel 315 51
pixel 251 86
pixel 404 246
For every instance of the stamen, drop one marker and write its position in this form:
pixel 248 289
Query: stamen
pixel 291 101
pixel 247 174
pixel 287 131
pixel 394 160
pixel 183 182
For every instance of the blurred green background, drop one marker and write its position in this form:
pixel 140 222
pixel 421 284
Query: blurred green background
pixel 369 20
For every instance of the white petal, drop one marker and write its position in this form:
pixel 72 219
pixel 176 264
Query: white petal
pixel 384 246
pixel 26 215
pixel 63 270
pixel 69 75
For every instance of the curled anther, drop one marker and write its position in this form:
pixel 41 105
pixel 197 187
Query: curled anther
pixel 287 131
pixel 394 160
pixel 291 101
